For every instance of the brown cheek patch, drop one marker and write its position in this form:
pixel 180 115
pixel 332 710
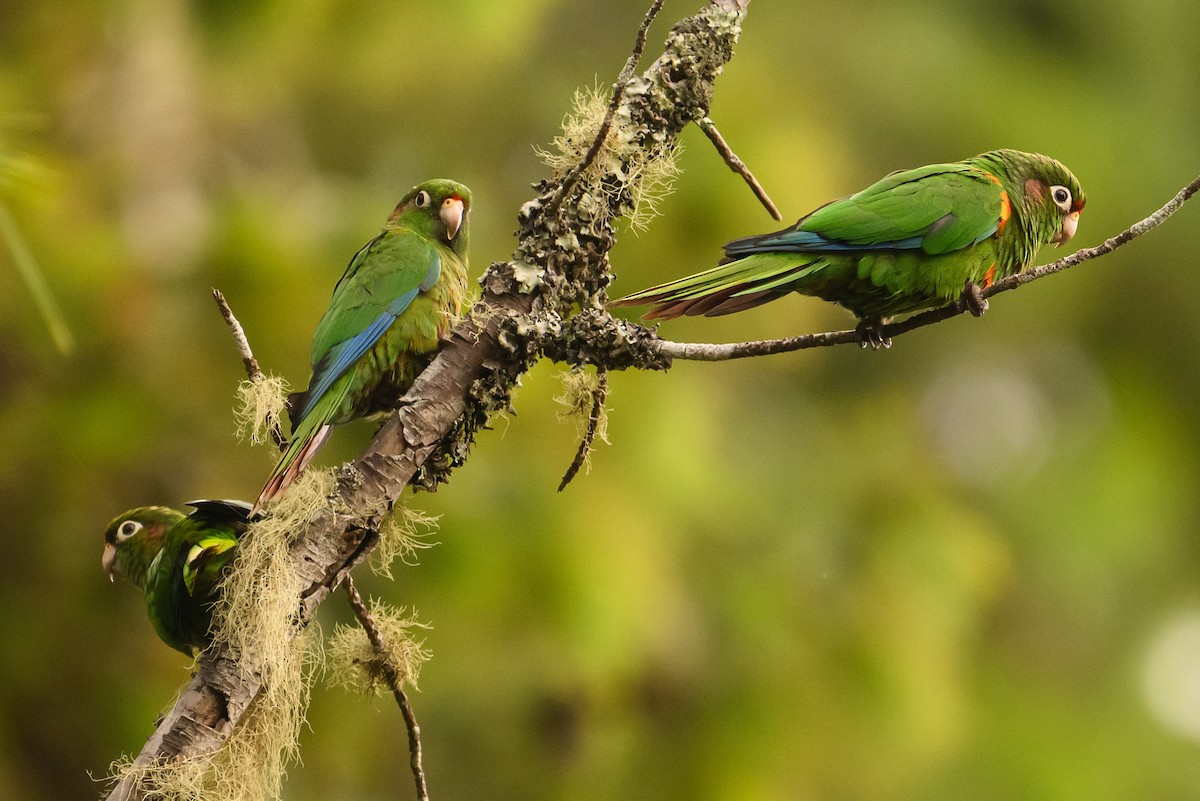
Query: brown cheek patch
pixel 1035 189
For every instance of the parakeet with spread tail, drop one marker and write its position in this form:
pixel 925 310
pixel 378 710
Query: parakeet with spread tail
pixel 915 239
pixel 398 298
pixel 177 561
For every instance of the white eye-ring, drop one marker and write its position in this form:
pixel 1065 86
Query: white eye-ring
pixel 1061 196
pixel 128 529
pixel 422 199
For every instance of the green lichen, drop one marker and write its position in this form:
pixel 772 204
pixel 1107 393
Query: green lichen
pixel 578 398
pixel 260 407
pixel 354 663
pixel 401 535
pixel 626 178
pixel 252 764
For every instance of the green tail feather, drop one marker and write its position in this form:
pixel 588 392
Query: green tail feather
pixel 735 286
pixel 307 438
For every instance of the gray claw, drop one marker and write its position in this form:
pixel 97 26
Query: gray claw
pixel 972 299
pixel 870 333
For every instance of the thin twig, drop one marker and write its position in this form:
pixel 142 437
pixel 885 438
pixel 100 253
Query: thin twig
pixel 706 352
pixel 589 436
pixel 639 46
pixel 392 676
pixel 737 165
pixel 253 371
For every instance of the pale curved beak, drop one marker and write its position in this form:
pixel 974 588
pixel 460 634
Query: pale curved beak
pixel 1070 224
pixel 108 561
pixel 451 213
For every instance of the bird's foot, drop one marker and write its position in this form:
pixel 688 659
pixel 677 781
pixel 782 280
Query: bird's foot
pixel 870 333
pixel 972 299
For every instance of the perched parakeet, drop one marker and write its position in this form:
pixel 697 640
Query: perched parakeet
pixel 915 239
pixel 176 560
pixel 398 298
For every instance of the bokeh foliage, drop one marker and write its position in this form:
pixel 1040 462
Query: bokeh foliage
pixel 963 568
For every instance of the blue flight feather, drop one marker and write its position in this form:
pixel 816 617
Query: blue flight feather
pixel 343 355
pixel 808 241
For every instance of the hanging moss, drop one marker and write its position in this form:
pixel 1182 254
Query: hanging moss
pixel 260 408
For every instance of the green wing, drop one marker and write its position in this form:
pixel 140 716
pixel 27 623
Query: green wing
pixel 381 281
pixel 183 579
pixel 394 265
pixel 937 209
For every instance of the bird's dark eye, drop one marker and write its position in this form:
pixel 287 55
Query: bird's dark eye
pixel 422 199
pixel 1061 195
pixel 128 529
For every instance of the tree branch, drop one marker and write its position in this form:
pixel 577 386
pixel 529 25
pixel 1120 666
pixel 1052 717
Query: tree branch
pixel 639 46
pixel 561 259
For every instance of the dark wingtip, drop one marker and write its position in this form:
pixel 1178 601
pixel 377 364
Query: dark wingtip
pixel 668 310
pixel 295 402
pixel 270 492
pixel 744 302
pixel 620 303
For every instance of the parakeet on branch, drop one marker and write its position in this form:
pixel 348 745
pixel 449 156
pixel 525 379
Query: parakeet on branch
pixel 915 239
pixel 398 298
pixel 177 561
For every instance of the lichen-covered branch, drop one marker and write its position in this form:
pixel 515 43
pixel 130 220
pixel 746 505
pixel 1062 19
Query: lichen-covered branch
pixel 596 425
pixel 560 265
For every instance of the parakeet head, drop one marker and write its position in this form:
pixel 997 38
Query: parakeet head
pixel 1051 194
pixel 132 540
pixel 437 209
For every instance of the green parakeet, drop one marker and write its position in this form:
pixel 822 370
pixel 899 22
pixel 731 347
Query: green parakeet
pixel 915 239
pixel 397 299
pixel 177 561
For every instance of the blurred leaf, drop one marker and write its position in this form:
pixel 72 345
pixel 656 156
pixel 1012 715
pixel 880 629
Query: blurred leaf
pixel 17 171
pixel 35 279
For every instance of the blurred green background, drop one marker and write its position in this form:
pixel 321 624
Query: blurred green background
pixel 962 568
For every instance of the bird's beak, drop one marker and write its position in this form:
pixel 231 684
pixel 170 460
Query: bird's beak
pixel 452 215
pixel 1070 223
pixel 108 561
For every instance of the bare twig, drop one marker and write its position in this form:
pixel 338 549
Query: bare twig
pixel 737 165
pixel 639 46
pixel 253 370
pixel 696 351
pixel 392 676
pixel 589 436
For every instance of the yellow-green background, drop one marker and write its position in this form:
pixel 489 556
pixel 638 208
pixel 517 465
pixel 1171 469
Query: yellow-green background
pixel 964 568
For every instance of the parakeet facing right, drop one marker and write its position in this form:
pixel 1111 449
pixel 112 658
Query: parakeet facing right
pixel 177 561
pixel 915 239
pixel 398 298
